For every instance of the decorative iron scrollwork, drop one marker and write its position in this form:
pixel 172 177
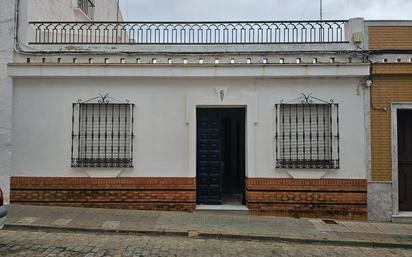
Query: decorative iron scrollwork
pixel 102 99
pixel 307 99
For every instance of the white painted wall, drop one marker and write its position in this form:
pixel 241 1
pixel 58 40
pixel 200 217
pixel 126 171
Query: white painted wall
pixel 7 8
pixel 163 144
pixel 67 10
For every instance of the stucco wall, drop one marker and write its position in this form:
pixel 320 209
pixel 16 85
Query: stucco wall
pixel 162 144
pixel 59 10
pixel 6 54
pixel 67 10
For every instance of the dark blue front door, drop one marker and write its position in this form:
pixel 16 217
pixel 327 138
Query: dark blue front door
pixel 209 166
pixel 220 155
pixel 405 159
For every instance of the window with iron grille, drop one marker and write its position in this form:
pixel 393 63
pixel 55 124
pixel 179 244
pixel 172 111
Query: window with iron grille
pixel 87 6
pixel 307 134
pixel 102 134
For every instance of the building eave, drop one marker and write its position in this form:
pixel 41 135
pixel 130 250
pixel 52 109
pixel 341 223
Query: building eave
pixel 188 70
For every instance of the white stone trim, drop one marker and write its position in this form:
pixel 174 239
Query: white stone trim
pixel 248 101
pixel 223 207
pixel 382 23
pixel 367 121
pixel 395 187
pixel 201 49
pixel 102 173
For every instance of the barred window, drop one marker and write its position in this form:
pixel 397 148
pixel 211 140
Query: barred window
pixel 87 6
pixel 102 135
pixel 307 135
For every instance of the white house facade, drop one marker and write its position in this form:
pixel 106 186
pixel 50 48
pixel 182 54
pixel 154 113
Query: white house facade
pixel 268 117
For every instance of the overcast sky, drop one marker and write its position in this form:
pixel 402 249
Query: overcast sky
pixel 172 10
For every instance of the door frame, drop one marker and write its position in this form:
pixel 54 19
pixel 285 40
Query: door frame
pixel 248 101
pixel 239 107
pixel 395 183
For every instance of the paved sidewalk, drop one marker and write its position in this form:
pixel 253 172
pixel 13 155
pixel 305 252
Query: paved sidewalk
pixel 210 225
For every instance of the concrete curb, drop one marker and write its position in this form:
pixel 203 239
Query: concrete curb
pixel 302 240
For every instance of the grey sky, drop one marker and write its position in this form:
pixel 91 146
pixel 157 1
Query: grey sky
pixel 169 10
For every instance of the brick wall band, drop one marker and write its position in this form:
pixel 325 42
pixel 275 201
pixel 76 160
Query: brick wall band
pixel 321 198
pixel 390 37
pixel 392 83
pixel 177 194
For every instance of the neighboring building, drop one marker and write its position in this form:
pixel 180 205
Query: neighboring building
pixel 68 10
pixel 390 187
pixel 33 10
pixel 270 117
pixel 7 27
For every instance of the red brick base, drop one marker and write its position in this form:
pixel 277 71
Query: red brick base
pixel 321 198
pixel 177 194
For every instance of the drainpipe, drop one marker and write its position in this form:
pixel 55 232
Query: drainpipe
pixel 17 47
pixel 16 24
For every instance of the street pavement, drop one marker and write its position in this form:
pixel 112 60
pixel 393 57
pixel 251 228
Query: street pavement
pixel 210 225
pixel 21 242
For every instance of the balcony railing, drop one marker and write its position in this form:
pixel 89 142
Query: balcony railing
pixel 174 33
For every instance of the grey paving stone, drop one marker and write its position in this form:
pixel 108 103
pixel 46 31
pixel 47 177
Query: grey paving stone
pixel 27 220
pixel 61 222
pixel 111 225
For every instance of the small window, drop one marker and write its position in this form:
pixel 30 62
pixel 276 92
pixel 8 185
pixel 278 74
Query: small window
pixel 307 134
pixel 87 6
pixel 102 134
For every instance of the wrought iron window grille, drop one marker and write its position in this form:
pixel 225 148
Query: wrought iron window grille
pixel 307 133
pixel 231 32
pixel 102 133
pixel 87 6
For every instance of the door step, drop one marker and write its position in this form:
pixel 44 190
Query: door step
pixel 403 217
pixel 225 209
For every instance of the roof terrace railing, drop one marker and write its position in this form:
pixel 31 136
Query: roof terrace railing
pixel 178 33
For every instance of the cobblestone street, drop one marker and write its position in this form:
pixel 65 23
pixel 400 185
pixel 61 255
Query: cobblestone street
pixel 39 243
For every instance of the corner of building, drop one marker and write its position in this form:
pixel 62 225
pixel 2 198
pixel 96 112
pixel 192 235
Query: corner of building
pixel 6 89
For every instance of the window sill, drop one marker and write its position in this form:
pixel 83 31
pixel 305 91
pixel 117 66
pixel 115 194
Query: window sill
pixel 307 173
pixel 308 164
pixel 102 173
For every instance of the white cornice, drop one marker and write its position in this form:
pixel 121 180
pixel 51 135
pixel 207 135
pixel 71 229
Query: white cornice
pixel 188 70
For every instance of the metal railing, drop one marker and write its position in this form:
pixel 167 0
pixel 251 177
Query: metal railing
pixel 276 32
pixel 102 133
pixel 307 133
